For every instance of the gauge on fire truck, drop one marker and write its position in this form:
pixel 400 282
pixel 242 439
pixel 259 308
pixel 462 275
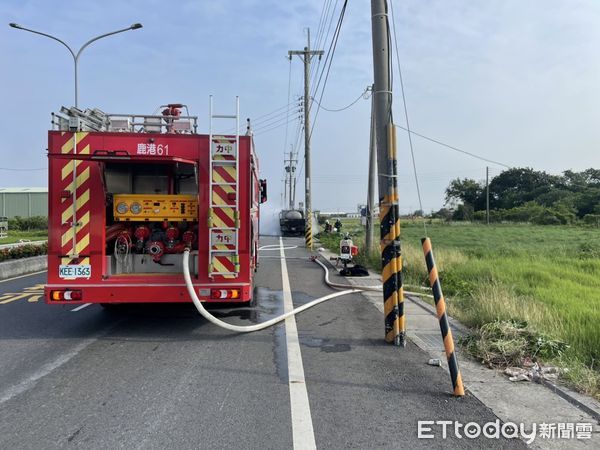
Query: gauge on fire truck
pixel 122 208
pixel 155 207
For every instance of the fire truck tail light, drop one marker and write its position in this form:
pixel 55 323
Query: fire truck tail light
pixel 73 295
pixel 231 294
pixel 58 296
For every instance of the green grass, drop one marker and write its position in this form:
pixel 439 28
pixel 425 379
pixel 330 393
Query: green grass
pixel 547 276
pixel 16 236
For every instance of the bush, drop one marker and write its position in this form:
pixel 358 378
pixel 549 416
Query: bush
pixel 463 212
pixel 592 219
pixel 532 212
pixel 23 251
pixel 19 223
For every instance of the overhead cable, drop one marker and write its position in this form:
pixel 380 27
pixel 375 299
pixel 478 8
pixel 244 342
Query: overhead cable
pixel 362 95
pixel 330 55
pixel 15 169
pixel 267 129
pixel 410 142
pixel 454 148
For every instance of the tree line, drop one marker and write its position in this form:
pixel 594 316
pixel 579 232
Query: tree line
pixel 527 195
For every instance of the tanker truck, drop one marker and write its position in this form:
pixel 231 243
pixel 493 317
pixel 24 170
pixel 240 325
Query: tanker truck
pixel 291 222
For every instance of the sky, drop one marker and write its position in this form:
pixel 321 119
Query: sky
pixel 510 80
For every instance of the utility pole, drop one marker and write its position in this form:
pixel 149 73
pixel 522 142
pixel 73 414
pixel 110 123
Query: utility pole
pixel 372 175
pixel 291 173
pixel 284 200
pixel 391 259
pixel 487 194
pixel 306 56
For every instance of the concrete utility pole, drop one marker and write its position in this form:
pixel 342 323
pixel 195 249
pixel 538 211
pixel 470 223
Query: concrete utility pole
pixel 391 260
pixel 290 170
pixel 369 235
pixel 487 194
pixel 306 56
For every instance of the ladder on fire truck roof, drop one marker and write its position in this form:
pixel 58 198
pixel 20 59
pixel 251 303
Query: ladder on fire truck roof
pixel 224 215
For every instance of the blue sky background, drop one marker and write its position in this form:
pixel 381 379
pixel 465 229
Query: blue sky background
pixel 513 81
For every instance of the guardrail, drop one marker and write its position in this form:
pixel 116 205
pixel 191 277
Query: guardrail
pixel 23 242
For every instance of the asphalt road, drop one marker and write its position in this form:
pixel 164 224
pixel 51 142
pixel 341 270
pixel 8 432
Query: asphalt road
pixel 163 377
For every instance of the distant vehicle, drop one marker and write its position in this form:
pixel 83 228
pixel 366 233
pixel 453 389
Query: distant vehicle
pixel 291 222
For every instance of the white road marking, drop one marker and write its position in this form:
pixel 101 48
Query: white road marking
pixel 273 247
pixel 79 308
pixel 30 381
pixel 23 276
pixel 303 435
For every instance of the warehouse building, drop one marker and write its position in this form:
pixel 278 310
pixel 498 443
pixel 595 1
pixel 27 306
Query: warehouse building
pixel 24 202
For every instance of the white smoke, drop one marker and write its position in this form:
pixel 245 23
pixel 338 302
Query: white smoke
pixel 315 224
pixel 269 220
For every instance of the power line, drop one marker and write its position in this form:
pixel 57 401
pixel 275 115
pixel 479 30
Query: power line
pixel 273 112
pixel 14 169
pixel 267 129
pixel 263 118
pixel 330 54
pixel 320 34
pixel 345 107
pixel 454 148
pixel 407 128
pixel 412 152
pixel 268 122
pixel 288 109
pixel 322 25
pixel 324 39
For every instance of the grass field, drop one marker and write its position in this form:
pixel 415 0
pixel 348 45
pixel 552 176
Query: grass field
pixel 547 276
pixel 16 236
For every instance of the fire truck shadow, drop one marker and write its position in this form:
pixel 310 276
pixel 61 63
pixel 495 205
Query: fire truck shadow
pixel 182 320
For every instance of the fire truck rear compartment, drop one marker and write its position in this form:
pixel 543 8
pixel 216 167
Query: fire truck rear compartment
pixel 151 216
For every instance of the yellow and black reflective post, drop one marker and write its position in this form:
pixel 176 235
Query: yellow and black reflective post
pixel 391 256
pixel 440 306
pixel 308 231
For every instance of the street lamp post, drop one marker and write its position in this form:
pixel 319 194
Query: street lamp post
pixel 75 56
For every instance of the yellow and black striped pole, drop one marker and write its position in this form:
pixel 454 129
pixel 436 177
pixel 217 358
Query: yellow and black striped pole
pixel 391 256
pixel 440 306
pixel 308 232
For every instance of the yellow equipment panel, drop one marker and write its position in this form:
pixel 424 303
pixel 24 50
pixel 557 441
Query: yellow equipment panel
pixel 154 207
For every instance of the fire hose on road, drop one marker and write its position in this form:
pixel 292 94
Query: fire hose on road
pixel 249 328
pixel 261 326
pixel 446 333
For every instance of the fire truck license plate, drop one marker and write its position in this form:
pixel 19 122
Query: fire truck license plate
pixel 75 271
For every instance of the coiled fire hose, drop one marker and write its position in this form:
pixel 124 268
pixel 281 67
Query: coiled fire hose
pixel 261 326
pixel 360 288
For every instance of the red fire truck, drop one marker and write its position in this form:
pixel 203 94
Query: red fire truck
pixel 128 193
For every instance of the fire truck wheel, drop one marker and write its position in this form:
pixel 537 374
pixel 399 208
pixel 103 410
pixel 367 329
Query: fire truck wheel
pixel 252 302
